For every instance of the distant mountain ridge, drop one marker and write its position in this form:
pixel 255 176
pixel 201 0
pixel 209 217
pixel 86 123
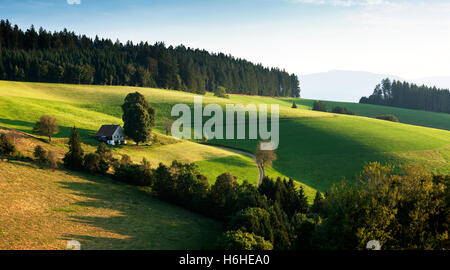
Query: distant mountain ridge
pixel 340 85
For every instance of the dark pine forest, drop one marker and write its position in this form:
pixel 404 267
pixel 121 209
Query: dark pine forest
pixel 410 96
pixel 65 57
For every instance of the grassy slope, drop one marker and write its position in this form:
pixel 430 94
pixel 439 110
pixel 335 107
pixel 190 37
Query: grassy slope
pixel 315 148
pixel 42 209
pixel 407 116
pixel 88 107
pixel 323 150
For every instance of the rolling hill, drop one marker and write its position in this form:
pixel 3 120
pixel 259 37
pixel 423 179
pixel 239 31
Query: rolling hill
pixel 88 107
pixel 316 148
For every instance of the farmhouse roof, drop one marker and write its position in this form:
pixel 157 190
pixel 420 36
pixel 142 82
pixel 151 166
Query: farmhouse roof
pixel 106 130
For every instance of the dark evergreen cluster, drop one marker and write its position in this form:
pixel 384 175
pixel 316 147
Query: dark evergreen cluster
pixel 342 110
pixel 319 106
pixel 410 96
pixel 64 57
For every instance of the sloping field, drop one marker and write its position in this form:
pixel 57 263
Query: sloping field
pixel 88 107
pixel 407 116
pixel 321 151
pixel 315 148
pixel 43 209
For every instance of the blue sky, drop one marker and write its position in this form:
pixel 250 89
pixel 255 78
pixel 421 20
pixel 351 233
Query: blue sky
pixel 399 37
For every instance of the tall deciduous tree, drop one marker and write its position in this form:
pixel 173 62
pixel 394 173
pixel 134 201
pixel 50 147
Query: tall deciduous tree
pixel 138 117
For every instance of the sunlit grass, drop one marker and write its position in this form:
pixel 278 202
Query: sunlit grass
pixel 43 209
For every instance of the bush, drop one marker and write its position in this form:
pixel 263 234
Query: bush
pixel 6 146
pixel 52 160
pixel 388 117
pixel 342 110
pixel 92 163
pixel 134 174
pixel 221 92
pixel 239 240
pixel 45 157
pixel 40 154
pixel 126 160
pixel 294 106
pixel 319 106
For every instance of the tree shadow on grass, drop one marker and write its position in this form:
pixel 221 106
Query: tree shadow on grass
pixel 130 218
pixel 87 135
pixel 319 157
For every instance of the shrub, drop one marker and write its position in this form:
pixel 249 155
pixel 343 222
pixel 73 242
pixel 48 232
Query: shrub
pixel 125 160
pixel 134 174
pixel 319 106
pixel 294 106
pixel 164 182
pixel 52 160
pixel 106 158
pixel 239 240
pixel 40 154
pixel 388 117
pixel 92 163
pixel 221 92
pixel 6 146
pixel 342 110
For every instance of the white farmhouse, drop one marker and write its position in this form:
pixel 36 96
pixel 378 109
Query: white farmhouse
pixel 111 134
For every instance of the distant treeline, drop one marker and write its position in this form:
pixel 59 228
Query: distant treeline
pixel 64 57
pixel 410 96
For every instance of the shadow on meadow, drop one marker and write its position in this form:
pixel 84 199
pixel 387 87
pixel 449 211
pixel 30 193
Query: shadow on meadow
pixel 135 219
pixel 87 136
pixel 316 153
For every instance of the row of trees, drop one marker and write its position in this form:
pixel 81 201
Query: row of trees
pixel 410 96
pixel 408 211
pixel 65 57
pixel 237 205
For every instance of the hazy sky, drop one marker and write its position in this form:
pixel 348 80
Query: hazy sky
pixel 405 38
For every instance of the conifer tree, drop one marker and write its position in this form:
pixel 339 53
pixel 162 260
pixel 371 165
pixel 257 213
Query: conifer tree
pixel 74 158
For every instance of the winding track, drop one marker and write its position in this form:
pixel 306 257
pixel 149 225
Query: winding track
pixel 260 167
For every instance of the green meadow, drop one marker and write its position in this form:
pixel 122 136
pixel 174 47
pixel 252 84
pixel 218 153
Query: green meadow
pixel 407 116
pixel 316 148
pixel 88 107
